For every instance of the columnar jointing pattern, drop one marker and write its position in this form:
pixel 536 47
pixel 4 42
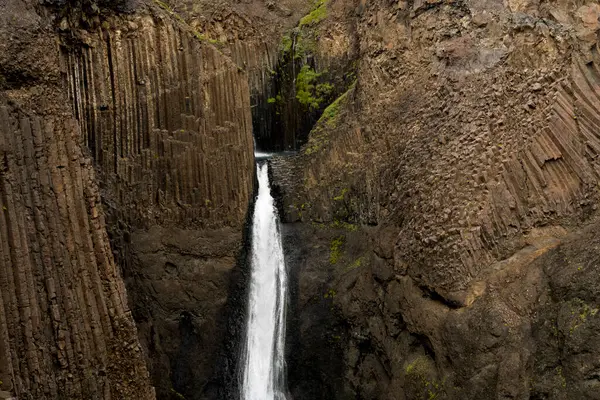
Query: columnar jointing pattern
pixel 167 119
pixel 64 324
pixel 558 171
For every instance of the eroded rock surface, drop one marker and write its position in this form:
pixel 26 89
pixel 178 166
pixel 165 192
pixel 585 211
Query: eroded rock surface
pixel 465 153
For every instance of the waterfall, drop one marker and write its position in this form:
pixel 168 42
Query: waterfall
pixel 263 359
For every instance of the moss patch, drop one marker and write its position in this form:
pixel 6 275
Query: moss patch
pixel 319 137
pixel 335 249
pixel 356 264
pixel 316 15
pixel 580 312
pixel 309 93
pixel 420 380
pixel 163 5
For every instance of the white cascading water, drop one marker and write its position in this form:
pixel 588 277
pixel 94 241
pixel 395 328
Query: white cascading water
pixel 263 359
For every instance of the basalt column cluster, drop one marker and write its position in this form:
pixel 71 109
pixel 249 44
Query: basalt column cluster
pixel 65 327
pixel 166 117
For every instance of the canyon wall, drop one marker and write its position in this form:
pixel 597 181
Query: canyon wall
pixel 127 141
pixel 438 197
pixel 65 326
pixel 250 33
pixel 166 118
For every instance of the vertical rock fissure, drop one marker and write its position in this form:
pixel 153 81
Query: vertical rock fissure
pixel 111 70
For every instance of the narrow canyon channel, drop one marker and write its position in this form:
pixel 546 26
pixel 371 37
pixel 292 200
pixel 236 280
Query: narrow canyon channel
pixel 263 357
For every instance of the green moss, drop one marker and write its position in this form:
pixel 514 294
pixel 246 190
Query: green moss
pixel 356 264
pixel 301 44
pixel 344 225
pixel 204 38
pixel 286 44
pixel 341 196
pixel 300 208
pixel 309 93
pixel 335 249
pixel 163 5
pixel 332 111
pixel 420 373
pixel 271 100
pixel 417 367
pixel 561 377
pixel 319 137
pixel 580 311
pixel 330 294
pixel 316 15
pixel 316 144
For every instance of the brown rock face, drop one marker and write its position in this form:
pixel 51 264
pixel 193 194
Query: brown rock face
pixel 65 327
pixel 166 117
pixel 167 120
pixel 469 146
pixel 250 32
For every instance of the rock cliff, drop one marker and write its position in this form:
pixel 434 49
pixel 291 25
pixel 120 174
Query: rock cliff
pixel 166 117
pixel 430 192
pixel 127 140
pixel 441 218
pixel 65 326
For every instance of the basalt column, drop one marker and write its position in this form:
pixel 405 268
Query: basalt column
pixel 65 326
pixel 66 331
pixel 167 119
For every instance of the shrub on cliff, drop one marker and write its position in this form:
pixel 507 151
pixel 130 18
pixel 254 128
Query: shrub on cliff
pixel 309 93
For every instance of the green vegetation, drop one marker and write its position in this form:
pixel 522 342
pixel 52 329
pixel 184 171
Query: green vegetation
pixel 419 372
pixel 335 338
pixel 341 196
pixel 163 5
pixel 344 225
pixel 319 137
pixel 316 15
pixel 177 394
pixel 335 249
pixel 286 44
pixel 300 208
pixel 317 141
pixel 300 42
pixel 331 113
pixel 198 35
pixel 336 224
pixel 204 38
pixel 561 377
pixel 580 312
pixel 356 264
pixel 309 93
pixel 330 294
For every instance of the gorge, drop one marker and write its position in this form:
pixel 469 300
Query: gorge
pixel 437 194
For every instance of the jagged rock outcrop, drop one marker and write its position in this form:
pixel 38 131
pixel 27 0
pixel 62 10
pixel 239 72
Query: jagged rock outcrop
pixel 465 152
pixel 65 326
